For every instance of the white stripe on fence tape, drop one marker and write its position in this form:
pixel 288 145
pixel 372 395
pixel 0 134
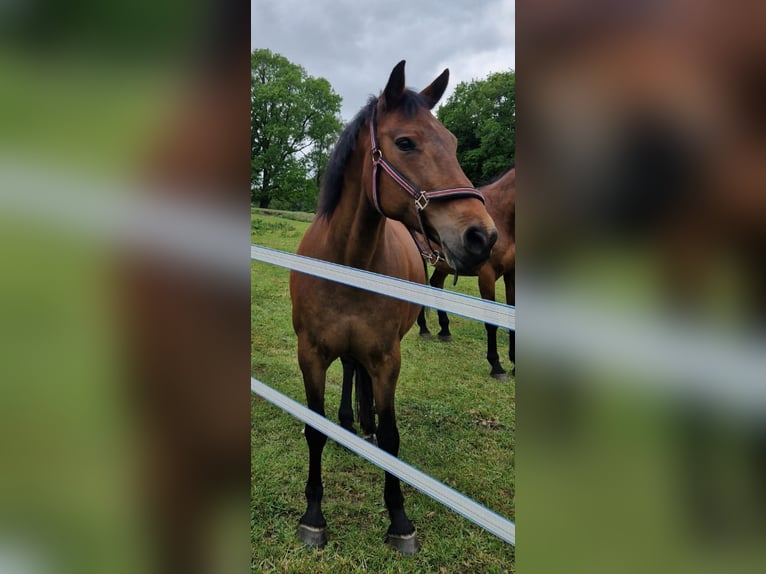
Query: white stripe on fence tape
pixel 457 303
pixel 473 511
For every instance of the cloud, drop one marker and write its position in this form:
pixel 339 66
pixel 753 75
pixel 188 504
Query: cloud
pixel 355 45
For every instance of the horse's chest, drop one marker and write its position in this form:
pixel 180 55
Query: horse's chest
pixel 349 316
pixel 361 307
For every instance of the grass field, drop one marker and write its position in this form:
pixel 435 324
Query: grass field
pixel 456 423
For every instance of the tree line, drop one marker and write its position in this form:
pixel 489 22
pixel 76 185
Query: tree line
pixel 295 121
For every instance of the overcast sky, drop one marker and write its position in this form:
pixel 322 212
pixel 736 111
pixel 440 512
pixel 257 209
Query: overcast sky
pixel 355 44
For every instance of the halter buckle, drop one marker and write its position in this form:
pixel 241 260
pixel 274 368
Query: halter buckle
pixel 433 258
pixel 421 201
pixel 377 155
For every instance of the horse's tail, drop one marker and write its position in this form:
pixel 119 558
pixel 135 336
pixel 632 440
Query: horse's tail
pixel 364 403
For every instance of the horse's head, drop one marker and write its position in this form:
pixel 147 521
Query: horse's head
pixel 423 185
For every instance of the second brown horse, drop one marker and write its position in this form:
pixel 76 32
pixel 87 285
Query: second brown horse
pixel 500 198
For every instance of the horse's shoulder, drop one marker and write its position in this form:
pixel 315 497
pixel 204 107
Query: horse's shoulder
pixel 404 259
pixel 403 238
pixel 312 240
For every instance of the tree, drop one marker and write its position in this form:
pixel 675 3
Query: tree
pixel 294 119
pixel 482 115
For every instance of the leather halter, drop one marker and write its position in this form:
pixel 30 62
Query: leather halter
pixel 420 197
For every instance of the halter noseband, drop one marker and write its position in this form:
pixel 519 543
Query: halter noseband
pixel 421 197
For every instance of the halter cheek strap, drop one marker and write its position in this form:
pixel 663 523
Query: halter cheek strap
pixel 420 197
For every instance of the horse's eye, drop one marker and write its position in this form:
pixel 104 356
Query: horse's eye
pixel 405 144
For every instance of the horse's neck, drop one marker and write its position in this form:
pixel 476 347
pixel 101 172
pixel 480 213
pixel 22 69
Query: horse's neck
pixel 500 203
pixel 357 230
pixel 502 191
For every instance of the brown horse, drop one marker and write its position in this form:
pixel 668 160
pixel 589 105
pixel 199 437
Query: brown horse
pixel 500 199
pixel 362 222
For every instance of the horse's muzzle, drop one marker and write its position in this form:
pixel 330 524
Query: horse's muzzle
pixel 478 241
pixel 472 249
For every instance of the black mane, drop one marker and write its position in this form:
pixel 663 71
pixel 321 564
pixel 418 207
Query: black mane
pixel 332 182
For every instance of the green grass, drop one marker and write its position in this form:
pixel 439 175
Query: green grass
pixel 290 215
pixel 456 423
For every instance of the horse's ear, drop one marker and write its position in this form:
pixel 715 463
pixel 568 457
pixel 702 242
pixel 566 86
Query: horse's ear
pixel 435 90
pixel 395 86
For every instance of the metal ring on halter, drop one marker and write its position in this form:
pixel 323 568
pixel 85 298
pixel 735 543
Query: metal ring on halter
pixel 433 258
pixel 377 155
pixel 421 201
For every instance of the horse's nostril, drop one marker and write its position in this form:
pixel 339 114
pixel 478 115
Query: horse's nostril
pixel 492 237
pixel 478 241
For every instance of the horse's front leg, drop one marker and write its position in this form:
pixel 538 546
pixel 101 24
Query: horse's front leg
pixel 423 324
pixel 401 532
pixel 312 527
pixel 437 280
pixel 510 299
pixel 487 289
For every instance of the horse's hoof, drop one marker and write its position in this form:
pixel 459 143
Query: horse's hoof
pixel 313 536
pixel 445 338
pixel 371 438
pixel 407 544
pixel 503 377
pixel 427 336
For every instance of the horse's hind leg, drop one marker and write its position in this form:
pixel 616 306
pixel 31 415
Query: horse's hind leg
pixel 354 371
pixel 312 528
pixel 346 410
pixel 401 532
pixel 364 403
pixel 422 325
